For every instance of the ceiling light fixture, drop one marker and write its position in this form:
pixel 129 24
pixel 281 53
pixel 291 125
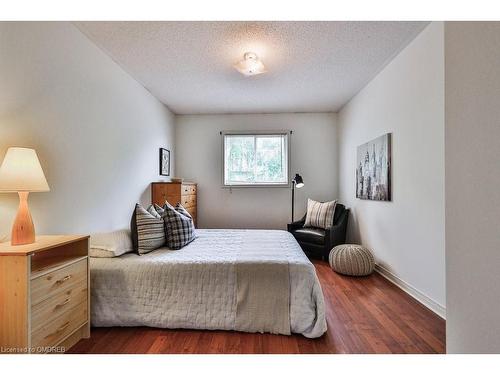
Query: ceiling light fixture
pixel 250 65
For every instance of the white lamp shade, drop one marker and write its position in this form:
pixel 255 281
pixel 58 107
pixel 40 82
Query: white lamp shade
pixel 21 171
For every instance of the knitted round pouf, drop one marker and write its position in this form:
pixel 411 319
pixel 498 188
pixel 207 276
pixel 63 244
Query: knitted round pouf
pixel 352 260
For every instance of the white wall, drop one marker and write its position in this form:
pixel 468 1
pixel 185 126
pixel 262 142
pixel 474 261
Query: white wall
pixel 313 155
pixel 406 99
pixel 96 130
pixel 472 186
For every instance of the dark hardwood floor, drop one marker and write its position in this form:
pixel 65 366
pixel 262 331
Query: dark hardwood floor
pixel 364 315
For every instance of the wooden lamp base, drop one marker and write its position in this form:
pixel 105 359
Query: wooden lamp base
pixel 23 230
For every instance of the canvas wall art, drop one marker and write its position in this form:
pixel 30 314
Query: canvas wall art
pixel 373 171
pixel 164 162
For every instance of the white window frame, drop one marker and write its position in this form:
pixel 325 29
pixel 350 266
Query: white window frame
pixel 286 133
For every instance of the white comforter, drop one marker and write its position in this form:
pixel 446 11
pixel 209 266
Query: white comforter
pixel 195 287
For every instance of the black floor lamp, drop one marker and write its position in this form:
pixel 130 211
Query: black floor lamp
pixel 296 182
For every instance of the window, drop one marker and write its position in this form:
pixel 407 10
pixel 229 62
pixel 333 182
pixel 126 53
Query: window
pixel 255 159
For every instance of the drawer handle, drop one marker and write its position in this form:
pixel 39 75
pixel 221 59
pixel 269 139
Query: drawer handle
pixel 63 327
pixel 60 329
pixel 65 278
pixel 58 306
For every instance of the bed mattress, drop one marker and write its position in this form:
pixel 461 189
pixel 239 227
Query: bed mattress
pixel 195 287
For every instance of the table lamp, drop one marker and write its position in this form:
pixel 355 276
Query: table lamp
pixel 22 173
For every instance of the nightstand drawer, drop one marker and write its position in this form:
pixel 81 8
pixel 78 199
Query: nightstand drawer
pixel 53 283
pixel 51 333
pixel 51 308
pixel 44 293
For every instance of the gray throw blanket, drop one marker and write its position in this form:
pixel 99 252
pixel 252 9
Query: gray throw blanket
pixel 263 297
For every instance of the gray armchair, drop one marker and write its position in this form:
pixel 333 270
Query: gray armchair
pixel 317 241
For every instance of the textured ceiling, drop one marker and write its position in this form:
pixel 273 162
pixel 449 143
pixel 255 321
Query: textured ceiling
pixel 312 66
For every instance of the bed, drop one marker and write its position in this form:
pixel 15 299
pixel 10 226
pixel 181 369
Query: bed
pixel 199 286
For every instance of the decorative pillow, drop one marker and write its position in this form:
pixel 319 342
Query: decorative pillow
pixel 110 244
pixel 147 230
pixel 179 208
pixel 179 228
pixel 151 209
pixel 320 215
pixel 158 209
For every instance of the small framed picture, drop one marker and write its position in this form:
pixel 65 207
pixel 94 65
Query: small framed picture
pixel 164 162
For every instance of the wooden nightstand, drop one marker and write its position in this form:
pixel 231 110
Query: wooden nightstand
pixel 44 294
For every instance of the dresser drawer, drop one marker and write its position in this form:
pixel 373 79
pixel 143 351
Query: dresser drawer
pixel 192 211
pixel 185 200
pixel 51 333
pixel 188 189
pixel 173 188
pixel 54 283
pixel 159 196
pixel 64 300
pixel 188 201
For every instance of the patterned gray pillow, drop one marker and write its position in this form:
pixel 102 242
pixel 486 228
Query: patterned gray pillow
pixel 179 227
pixel 147 230
pixel 179 208
pixel 320 215
pixel 158 209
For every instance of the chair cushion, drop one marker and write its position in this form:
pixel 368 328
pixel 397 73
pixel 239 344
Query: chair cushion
pixel 311 235
pixel 320 215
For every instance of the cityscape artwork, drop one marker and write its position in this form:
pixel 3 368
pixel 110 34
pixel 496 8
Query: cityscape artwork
pixel 373 170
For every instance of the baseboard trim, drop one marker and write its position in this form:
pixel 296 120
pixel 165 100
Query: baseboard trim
pixel 413 292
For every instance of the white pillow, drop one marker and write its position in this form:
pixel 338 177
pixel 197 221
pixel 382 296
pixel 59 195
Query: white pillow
pixel 110 244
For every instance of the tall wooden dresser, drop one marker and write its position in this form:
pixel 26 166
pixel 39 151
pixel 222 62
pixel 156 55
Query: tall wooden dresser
pixel 175 192
pixel 44 294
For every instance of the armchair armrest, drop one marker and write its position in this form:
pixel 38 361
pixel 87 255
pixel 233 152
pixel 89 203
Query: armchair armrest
pixel 336 234
pixel 296 224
